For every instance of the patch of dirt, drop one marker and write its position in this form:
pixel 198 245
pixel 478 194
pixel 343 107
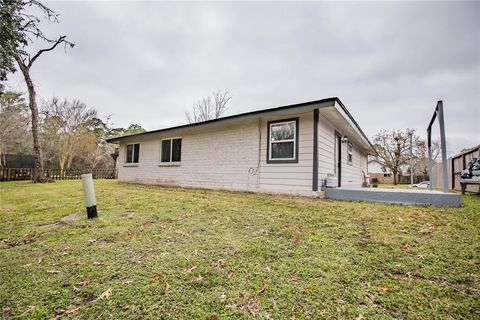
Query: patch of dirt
pixel 127 214
pixel 55 224
pixel 409 276
pixel 247 303
pixel 71 217
pixel 26 239
pixel 63 221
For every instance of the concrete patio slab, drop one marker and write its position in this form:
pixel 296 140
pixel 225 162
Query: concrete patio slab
pixel 401 196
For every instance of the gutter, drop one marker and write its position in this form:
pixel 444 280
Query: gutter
pixel 240 115
pixel 326 102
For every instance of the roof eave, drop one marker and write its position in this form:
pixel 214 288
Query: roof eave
pixel 233 117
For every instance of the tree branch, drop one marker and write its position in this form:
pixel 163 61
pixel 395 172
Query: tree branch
pixel 62 39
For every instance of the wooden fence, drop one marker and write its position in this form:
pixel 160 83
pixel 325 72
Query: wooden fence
pixel 10 174
pixel 458 163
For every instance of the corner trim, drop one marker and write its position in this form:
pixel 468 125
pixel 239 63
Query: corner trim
pixel 315 150
pixel 338 138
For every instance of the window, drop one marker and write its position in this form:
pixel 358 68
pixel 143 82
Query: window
pixel 282 141
pixel 171 150
pixel 349 153
pixel 132 152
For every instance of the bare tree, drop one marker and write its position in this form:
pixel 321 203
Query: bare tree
pixel 67 129
pixel 421 155
pixel 211 107
pixel 393 148
pixel 22 27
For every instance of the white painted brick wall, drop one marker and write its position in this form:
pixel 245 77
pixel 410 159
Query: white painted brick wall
pixel 226 157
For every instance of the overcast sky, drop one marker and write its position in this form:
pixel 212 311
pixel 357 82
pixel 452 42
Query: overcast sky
pixel 146 62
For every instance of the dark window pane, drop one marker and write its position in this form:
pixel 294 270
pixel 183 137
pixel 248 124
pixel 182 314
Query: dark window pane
pixel 136 152
pixel 166 150
pixel 176 150
pixel 283 131
pixel 282 150
pixel 129 151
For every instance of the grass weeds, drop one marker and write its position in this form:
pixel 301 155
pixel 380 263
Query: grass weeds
pixel 200 254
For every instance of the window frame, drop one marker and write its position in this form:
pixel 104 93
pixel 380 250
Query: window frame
pixel 170 163
pixel 295 141
pixel 349 153
pixel 133 154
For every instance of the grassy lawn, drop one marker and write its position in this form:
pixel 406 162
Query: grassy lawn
pixel 195 254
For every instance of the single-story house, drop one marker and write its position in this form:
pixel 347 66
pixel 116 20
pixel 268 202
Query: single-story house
pixel 378 171
pixel 289 149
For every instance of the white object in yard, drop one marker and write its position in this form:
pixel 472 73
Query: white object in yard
pixel 332 182
pixel 423 184
pixel 89 195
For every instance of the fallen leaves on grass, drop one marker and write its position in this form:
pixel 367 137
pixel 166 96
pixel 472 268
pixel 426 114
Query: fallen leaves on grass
pixel 371 297
pixel 363 241
pixel 307 289
pixel 405 247
pixel 220 263
pixel 105 295
pixel 262 289
pixel 30 308
pixel 247 303
pixel 85 282
pixel 197 279
pixel 26 239
pixel 155 277
pixel 383 288
pixel 189 270
pixel 296 239
pixel 53 271
pixel 74 309
pixel 126 214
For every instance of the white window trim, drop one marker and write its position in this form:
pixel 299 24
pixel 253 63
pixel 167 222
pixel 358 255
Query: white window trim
pixel 170 163
pixel 131 164
pixel 294 140
pixel 349 152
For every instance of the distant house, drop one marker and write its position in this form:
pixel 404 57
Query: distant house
pixel 289 149
pixel 380 172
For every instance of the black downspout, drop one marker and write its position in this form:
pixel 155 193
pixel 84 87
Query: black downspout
pixel 315 151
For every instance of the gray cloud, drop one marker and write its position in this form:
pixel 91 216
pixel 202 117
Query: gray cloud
pixel 389 62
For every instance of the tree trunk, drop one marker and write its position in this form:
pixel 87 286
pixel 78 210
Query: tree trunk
pixel 39 175
pixel 395 174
